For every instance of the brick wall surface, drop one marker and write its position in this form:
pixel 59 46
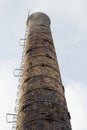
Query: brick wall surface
pixel 42 103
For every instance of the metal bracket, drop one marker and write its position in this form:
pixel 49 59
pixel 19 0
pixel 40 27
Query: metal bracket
pixel 11 118
pixel 20 42
pixel 17 72
pixel 16 109
pixel 14 127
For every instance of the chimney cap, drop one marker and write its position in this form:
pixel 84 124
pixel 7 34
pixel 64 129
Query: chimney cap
pixel 38 15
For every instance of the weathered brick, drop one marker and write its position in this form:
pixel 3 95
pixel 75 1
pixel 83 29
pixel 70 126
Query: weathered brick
pixel 42 104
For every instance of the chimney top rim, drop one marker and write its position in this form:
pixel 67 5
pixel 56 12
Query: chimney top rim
pixel 37 15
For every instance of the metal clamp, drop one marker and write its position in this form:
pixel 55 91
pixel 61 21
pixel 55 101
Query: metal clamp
pixel 20 42
pixel 17 72
pixel 14 127
pixel 16 109
pixel 19 87
pixel 11 118
pixel 17 101
pixel 18 93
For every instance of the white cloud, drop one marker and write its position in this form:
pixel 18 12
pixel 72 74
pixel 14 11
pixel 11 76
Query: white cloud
pixel 69 22
pixel 73 11
pixel 76 95
pixel 8 89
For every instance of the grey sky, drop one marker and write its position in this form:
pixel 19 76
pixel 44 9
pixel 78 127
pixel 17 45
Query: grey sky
pixel 69 30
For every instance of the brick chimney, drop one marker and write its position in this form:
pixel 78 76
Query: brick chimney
pixel 42 103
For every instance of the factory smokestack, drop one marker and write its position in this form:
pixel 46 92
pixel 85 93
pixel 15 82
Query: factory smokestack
pixel 42 103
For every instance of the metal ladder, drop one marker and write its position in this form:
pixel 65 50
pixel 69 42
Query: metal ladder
pixel 12 117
